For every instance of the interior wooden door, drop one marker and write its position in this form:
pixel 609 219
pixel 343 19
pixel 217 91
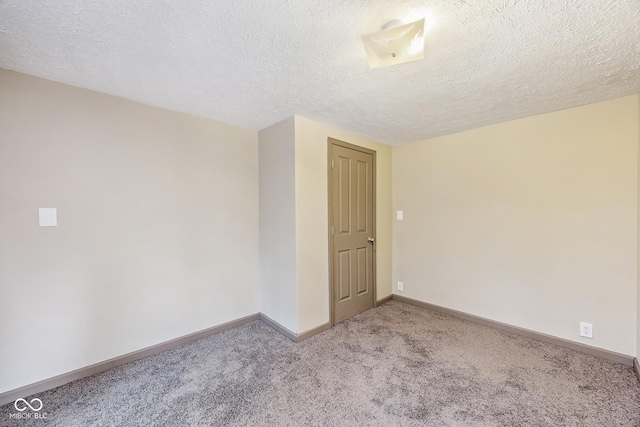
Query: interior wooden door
pixel 352 231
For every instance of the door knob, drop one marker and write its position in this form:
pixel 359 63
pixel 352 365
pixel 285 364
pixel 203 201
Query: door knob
pixel 370 240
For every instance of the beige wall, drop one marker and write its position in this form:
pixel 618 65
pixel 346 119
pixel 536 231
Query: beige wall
pixel 638 263
pixel 312 241
pixel 532 222
pixel 294 245
pixel 157 235
pixel 278 224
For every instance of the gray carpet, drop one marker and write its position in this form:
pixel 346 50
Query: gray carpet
pixel 396 365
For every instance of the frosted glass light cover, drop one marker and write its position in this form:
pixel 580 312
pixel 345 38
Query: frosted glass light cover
pixel 396 45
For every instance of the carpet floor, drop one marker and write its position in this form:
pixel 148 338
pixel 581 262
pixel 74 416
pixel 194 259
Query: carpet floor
pixel 396 365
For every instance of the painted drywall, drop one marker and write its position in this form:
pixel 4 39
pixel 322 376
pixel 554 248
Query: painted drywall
pixel 277 224
pixel 312 218
pixel 157 227
pixel 531 222
pixel 638 263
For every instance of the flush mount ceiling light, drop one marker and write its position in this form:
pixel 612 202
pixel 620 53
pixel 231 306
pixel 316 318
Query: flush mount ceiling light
pixel 395 44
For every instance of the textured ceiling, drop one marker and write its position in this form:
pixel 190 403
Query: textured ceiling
pixel 253 63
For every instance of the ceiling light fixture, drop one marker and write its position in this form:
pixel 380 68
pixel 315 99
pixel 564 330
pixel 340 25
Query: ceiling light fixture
pixel 395 44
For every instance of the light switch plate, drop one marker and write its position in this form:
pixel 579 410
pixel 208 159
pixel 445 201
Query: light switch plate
pixel 48 217
pixel 399 215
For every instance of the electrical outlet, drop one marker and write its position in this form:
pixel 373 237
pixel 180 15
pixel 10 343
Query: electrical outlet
pixel 586 330
pixel 400 286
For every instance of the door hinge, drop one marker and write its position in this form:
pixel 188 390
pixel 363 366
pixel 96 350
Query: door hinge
pixel 332 231
pixel 331 163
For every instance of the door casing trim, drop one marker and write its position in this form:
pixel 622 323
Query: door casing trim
pixel 330 144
